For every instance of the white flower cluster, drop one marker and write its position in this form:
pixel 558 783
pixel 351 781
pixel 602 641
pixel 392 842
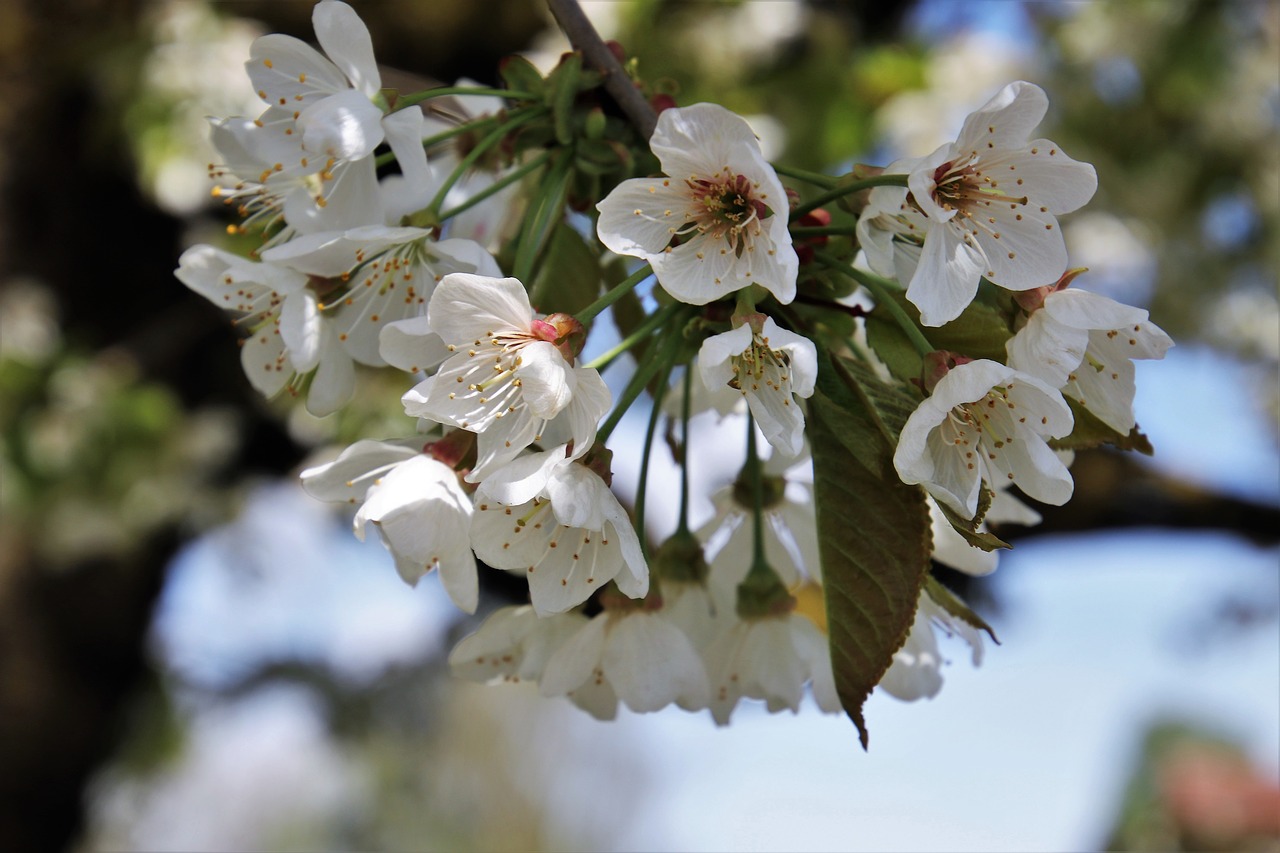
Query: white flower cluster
pixel 510 469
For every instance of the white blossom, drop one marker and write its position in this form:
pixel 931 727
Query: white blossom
pixel 988 205
pixel 287 334
pixel 415 502
pixel 630 654
pixel 769 367
pixel 513 644
pixel 985 421
pixel 717 223
pixel 324 112
pixel 557 521
pixel 769 658
pixel 1085 344
pixel 379 275
pixel 507 377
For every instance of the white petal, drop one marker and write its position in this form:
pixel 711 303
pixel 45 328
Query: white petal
pixel 640 215
pixel 411 345
pixel 651 664
pixel 1081 309
pixel 1005 121
pixel 345 39
pixel 946 279
pixel 346 480
pixel 288 73
pixel 404 134
pixel 916 669
pixel 466 308
pixel 1047 349
pixel 803 356
pixel 576 660
pixel 266 362
pixel 302 330
pixel 1053 179
pixel 701 139
pixel 714 356
pixel 1029 251
pixel 546 379
pixel 335 380
pixel 345 126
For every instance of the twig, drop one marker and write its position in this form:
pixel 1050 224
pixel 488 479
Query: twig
pixel 583 36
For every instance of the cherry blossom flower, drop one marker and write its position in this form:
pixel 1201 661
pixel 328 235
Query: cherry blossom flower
pixel 324 110
pixel 916 670
pixel 288 336
pixel 1084 344
pixel 989 203
pixel 717 223
pixel 415 502
pixel 513 644
pixel 769 658
pixel 985 421
pixel 790 527
pixel 380 275
pixel 557 521
pixel 507 377
pixel 767 366
pixel 630 654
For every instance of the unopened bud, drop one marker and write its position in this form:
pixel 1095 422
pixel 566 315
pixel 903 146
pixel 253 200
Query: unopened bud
pixel 1033 300
pixel 938 364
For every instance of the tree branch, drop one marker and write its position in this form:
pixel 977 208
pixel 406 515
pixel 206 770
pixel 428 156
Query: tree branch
pixel 583 36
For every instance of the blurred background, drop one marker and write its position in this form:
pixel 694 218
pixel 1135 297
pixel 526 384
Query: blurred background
pixel 194 655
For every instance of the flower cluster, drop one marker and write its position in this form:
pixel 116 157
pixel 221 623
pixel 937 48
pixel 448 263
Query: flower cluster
pixel 511 465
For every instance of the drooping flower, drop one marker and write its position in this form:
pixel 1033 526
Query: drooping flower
pixel 631 654
pixel 988 204
pixel 717 223
pixel 916 670
pixel 1084 344
pixel 790 527
pixel 513 644
pixel 323 111
pixel 415 502
pixel 767 366
pixel 769 658
pixel 508 376
pixel 288 336
pixel 985 421
pixel 558 522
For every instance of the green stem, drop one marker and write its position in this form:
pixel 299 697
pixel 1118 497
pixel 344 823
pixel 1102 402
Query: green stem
pixel 823 231
pixel 640 379
pixel 427 94
pixel 458 130
pixel 614 294
pixel 683 529
pixel 492 139
pixel 642 331
pixel 849 188
pixel 540 221
pixel 882 290
pixel 497 186
pixel 815 178
pixel 759 564
pixel 643 487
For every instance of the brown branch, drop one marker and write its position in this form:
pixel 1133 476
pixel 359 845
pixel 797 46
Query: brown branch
pixel 583 36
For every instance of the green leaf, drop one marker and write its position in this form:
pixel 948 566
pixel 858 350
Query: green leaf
pixel 873 536
pixel 568 279
pixel 892 346
pixel 521 75
pixel 979 332
pixel 954 605
pixel 1089 432
pixel 564 90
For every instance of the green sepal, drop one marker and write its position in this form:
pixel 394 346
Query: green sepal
pixel 955 606
pixel 564 83
pixel 521 75
pixel 968 527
